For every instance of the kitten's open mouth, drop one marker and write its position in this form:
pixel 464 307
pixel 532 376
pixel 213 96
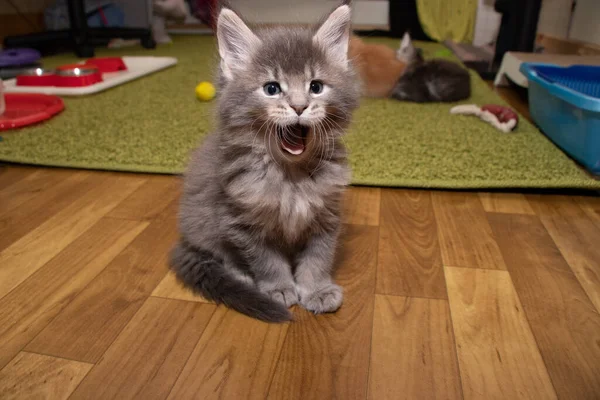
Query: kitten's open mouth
pixel 293 138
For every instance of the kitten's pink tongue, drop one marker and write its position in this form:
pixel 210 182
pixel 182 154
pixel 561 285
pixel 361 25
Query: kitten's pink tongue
pixel 293 145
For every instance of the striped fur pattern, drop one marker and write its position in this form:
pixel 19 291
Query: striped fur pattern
pixel 260 211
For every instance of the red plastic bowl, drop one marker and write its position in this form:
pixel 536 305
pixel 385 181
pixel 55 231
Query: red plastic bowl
pixel 23 109
pixel 64 76
pixel 107 64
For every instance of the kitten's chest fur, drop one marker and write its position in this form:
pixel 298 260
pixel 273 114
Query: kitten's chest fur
pixel 290 206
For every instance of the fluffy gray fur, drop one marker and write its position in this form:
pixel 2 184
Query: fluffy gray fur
pixel 259 226
pixel 434 80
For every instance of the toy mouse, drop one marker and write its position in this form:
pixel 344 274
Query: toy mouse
pixel 501 117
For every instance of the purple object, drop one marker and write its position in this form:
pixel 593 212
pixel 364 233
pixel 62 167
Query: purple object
pixel 16 57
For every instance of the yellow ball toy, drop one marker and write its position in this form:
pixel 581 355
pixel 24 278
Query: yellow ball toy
pixel 205 91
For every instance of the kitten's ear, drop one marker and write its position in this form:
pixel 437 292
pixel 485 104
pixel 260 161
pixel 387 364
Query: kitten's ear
pixel 407 52
pixel 236 42
pixel 333 35
pixel 406 41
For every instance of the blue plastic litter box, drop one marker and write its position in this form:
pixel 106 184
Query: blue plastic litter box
pixel 565 103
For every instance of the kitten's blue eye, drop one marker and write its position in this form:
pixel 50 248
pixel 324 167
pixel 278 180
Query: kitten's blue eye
pixel 272 88
pixel 316 87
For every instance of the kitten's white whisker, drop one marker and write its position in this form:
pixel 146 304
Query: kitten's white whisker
pixel 331 121
pixel 254 121
pixel 256 133
pixel 317 143
pixel 343 118
pixel 269 150
pixel 330 139
pixel 324 147
pixel 323 138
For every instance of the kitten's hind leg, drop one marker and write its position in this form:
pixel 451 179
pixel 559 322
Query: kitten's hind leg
pixel 317 291
pixel 208 274
pixel 273 276
pixel 271 271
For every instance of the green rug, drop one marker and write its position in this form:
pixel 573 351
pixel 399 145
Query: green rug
pixel 151 124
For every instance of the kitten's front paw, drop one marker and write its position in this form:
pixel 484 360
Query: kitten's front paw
pixel 327 298
pixel 287 295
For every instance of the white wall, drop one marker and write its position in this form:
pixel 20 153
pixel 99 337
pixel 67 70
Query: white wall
pixel 365 12
pixel 586 21
pixel 555 16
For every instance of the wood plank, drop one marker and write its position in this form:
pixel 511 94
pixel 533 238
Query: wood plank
pixel 91 322
pixel 511 203
pixel 497 352
pixel 32 185
pixel 32 251
pixel 591 206
pixel 234 359
pixel 146 358
pixel 327 356
pixel 171 288
pixel 35 211
pixel 361 205
pixel 171 211
pixel 580 207
pixel 150 199
pixel 13 174
pixel 409 262
pixel 34 376
pixel 466 239
pixel 563 319
pixel 413 350
pixel 23 315
pixel 577 240
pixel 549 205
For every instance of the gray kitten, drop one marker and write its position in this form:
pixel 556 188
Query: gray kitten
pixel 260 213
pixel 435 80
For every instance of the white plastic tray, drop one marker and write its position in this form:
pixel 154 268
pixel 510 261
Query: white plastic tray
pixel 136 68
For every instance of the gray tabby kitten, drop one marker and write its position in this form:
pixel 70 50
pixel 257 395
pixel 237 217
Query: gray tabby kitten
pixel 260 213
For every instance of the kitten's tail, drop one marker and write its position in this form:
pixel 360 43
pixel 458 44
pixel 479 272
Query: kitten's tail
pixel 205 273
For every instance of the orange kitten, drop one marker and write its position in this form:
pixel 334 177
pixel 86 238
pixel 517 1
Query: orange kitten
pixel 377 65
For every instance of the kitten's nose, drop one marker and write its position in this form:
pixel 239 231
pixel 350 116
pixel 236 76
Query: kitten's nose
pixel 300 109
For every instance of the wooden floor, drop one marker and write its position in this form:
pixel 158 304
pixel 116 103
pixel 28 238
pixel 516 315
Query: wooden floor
pixel 448 295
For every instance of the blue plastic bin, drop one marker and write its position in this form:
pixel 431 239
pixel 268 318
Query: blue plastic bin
pixel 565 103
